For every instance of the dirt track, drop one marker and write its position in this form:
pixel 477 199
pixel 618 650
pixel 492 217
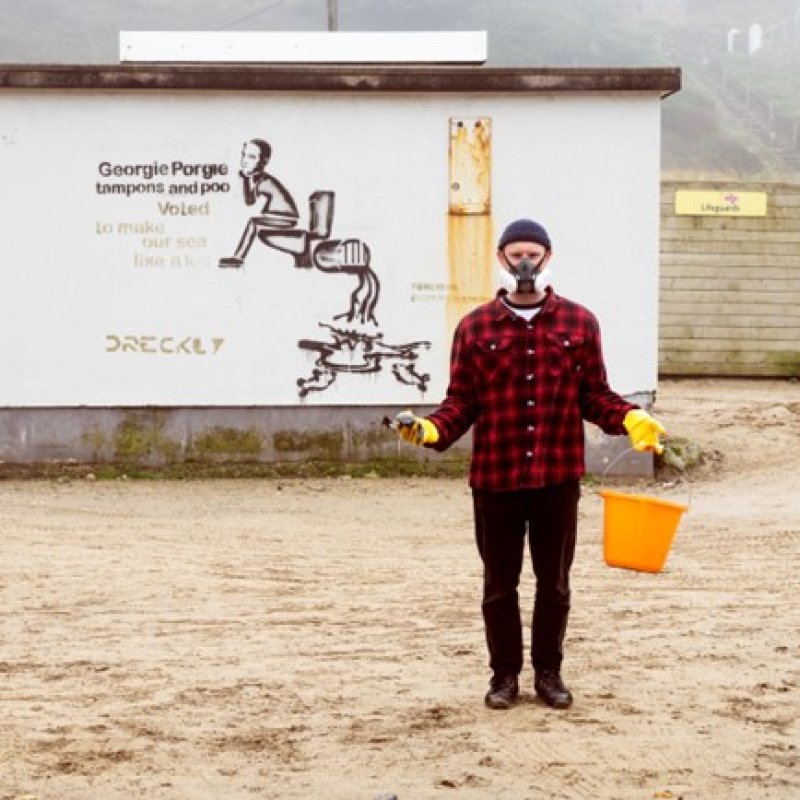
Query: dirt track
pixel 298 639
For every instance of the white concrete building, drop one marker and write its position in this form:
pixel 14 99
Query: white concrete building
pixel 289 248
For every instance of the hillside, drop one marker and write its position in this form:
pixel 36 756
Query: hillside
pixel 737 114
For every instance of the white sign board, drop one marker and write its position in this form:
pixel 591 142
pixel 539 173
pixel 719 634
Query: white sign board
pixel 304 47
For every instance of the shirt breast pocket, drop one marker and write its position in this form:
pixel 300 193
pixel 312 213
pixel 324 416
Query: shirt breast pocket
pixel 493 358
pixel 565 354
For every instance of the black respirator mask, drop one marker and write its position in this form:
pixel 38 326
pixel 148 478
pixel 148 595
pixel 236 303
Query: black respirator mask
pixel 525 277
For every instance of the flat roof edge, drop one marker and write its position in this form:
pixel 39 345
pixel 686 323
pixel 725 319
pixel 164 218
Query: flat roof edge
pixel 361 78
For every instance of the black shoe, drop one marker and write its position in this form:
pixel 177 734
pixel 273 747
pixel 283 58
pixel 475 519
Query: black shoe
pixel 503 691
pixel 551 689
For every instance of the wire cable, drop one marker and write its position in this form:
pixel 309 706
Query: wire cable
pixel 251 15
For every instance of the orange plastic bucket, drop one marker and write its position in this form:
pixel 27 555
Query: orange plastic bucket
pixel 638 530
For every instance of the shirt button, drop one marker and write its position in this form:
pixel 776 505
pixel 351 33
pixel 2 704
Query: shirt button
pixel 531 351
pixel 531 427
pixel 531 402
pixel 529 377
pixel 529 454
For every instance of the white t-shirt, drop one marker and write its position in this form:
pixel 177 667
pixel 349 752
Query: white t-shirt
pixel 526 312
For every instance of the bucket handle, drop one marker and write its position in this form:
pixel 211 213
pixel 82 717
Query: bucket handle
pixel 682 479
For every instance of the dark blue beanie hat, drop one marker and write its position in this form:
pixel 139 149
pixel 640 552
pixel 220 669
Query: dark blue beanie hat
pixel 524 230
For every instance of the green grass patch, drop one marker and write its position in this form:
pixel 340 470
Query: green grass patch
pixel 375 468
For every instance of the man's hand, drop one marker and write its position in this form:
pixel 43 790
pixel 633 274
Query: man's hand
pixel 414 429
pixel 643 431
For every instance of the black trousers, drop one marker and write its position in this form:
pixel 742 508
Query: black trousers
pixel 549 516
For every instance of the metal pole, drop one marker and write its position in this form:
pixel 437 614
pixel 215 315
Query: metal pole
pixel 332 16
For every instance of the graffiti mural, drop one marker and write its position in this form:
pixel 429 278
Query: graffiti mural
pixel 359 353
pixel 277 207
pixel 352 343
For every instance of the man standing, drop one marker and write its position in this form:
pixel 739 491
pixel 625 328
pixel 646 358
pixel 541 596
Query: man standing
pixel 526 370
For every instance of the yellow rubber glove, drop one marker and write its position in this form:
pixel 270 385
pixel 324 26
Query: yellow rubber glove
pixel 414 429
pixel 643 430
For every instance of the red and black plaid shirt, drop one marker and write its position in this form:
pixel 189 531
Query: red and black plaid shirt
pixel 527 387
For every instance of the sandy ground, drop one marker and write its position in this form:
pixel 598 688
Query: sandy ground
pixel 299 639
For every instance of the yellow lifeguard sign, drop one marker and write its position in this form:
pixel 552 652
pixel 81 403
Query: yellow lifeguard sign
pixel 725 203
